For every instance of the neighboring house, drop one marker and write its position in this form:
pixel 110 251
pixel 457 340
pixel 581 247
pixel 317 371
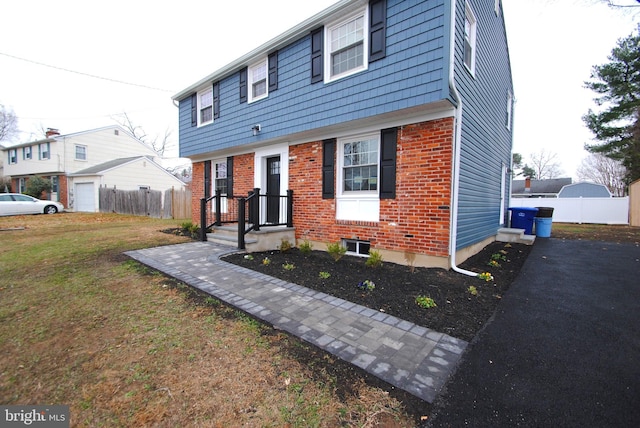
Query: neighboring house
pixel 584 190
pixel 135 173
pixel 527 188
pixel 58 156
pixel 390 121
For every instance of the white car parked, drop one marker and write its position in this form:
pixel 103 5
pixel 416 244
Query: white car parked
pixel 16 204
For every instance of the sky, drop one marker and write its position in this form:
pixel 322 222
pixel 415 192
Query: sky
pixel 76 65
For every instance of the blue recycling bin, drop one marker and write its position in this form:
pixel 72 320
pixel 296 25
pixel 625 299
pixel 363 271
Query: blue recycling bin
pixel 522 218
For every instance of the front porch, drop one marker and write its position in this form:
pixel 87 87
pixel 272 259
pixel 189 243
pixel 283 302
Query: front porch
pixel 258 222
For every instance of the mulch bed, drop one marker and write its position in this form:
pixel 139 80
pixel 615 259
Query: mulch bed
pixel 458 313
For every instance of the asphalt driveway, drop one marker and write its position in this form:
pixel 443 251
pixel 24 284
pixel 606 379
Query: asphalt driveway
pixel 563 349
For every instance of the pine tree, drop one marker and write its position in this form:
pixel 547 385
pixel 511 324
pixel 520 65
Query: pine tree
pixel 616 125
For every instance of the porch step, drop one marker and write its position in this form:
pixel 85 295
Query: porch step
pixel 508 234
pixel 266 239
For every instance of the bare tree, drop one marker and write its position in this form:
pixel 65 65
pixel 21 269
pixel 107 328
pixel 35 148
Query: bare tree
pixel 158 144
pixel 8 123
pixel 545 165
pixel 601 169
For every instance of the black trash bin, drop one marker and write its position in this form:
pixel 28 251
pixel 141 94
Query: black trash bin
pixel 545 212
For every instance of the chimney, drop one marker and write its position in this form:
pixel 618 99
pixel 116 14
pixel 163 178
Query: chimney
pixel 527 184
pixel 51 132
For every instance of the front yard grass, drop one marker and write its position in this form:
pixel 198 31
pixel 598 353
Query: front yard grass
pixel 83 325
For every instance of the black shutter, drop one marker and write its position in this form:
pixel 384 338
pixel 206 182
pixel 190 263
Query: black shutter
pixel 216 100
pixel 207 179
pixel 388 148
pixel 230 177
pixel 328 168
pixel 194 110
pixel 273 71
pixel 317 63
pixel 377 29
pixel 243 85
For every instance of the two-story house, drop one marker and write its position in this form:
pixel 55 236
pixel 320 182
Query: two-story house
pixel 78 164
pixel 390 121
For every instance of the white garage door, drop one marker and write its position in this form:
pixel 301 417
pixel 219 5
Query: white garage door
pixel 85 197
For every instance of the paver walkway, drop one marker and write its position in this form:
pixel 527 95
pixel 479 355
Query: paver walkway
pixel 413 358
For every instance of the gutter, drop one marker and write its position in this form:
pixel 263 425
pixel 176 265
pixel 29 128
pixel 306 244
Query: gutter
pixel 457 142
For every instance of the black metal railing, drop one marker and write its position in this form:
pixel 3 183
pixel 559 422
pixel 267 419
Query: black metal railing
pixel 250 213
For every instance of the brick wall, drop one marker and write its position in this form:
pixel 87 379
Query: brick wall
pixel 416 221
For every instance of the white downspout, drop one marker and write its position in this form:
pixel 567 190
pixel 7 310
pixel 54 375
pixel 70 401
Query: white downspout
pixel 457 140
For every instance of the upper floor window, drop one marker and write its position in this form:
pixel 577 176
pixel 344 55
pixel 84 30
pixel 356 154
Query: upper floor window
pixel 205 106
pixel 13 156
pixel 258 81
pixel 469 39
pixel 360 164
pixel 81 152
pixel 27 152
pixel 347 46
pixel 43 151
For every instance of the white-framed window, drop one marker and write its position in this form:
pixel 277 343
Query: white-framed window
pixel 13 156
pixel 360 164
pixel 27 153
pixel 22 185
pixel 346 46
pixel 54 184
pixel 220 176
pixel 81 152
pixel 44 151
pixel 258 81
pixel 205 106
pixel 469 39
pixel 356 247
pixel 509 109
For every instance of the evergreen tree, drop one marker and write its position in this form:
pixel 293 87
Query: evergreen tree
pixel 616 125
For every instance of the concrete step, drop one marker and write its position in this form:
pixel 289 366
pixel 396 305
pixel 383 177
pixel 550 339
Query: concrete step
pixel 509 234
pixel 266 239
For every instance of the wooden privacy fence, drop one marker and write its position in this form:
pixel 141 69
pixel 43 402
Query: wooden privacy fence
pixel 146 202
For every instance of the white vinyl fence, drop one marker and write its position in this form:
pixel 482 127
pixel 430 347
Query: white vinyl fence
pixel 581 210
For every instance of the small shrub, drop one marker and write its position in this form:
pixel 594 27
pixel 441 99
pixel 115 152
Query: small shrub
pixel 306 247
pixel 374 260
pixel 366 285
pixel 425 302
pixel 485 276
pixel 289 266
pixel 266 261
pixel 336 250
pixel 472 290
pixel 499 256
pixel 285 246
pixel 37 185
pixel 324 275
pixel 248 257
pixel 494 263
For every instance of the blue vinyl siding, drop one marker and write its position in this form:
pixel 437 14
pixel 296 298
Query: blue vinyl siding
pixel 486 141
pixel 413 73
